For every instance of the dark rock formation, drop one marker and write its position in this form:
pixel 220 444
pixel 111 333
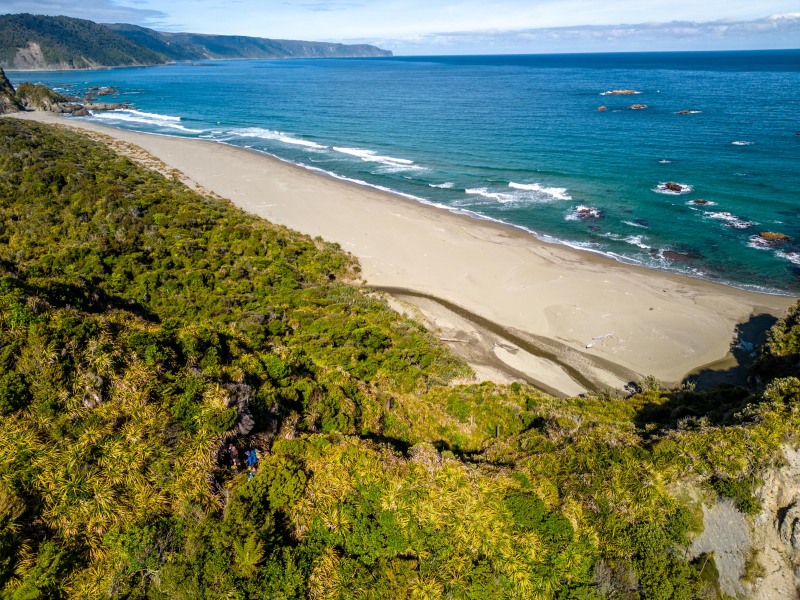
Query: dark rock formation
pixel 673 187
pixel 9 103
pixel 588 213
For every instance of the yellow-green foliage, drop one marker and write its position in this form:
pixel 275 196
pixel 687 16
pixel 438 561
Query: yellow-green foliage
pixel 143 328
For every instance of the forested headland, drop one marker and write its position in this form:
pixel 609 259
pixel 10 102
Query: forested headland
pixel 150 334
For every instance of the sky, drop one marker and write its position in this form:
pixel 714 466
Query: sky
pixel 427 27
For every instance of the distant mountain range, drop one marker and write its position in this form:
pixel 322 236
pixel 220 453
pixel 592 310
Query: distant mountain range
pixel 40 42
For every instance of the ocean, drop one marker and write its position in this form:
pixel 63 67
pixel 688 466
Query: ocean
pixel 520 139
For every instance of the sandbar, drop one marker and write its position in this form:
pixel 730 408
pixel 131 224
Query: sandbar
pixel 513 306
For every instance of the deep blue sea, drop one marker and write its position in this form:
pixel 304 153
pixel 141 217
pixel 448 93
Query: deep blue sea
pixel 519 139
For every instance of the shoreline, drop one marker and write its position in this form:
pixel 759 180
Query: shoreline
pixel 567 319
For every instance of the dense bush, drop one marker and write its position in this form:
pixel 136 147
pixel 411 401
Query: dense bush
pixel 145 329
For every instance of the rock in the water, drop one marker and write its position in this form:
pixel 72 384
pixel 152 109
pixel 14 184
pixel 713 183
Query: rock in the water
pixel 637 106
pixel 106 105
pixel 620 93
pixel 585 213
pixel 601 108
pixel 700 201
pixel 673 187
pixel 773 236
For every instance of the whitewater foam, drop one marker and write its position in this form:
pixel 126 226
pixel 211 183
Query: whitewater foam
pixel 742 143
pixel 792 257
pixel 637 240
pixel 635 224
pixel 269 134
pixel 584 213
pixel 373 156
pixel 730 220
pixel 501 197
pixel 447 185
pixel 554 192
pixel 145 118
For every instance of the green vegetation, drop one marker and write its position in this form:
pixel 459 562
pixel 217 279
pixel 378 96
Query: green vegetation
pixel 37 96
pixel 66 42
pixel 144 328
pixel 69 43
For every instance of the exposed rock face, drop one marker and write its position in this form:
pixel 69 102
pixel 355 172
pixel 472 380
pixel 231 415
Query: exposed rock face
pixel 725 533
pixel 789 526
pixel 8 99
pixel 776 531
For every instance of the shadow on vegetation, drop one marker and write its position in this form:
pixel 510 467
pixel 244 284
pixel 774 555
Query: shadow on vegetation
pixel 396 444
pixel 691 409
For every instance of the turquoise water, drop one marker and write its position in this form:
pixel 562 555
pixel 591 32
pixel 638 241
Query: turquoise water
pixel 519 139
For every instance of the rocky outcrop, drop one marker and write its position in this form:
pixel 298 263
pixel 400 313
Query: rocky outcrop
pixel 601 108
pixel 106 105
pixel 758 558
pixel 9 103
pixel 637 106
pixel 673 187
pixel 776 531
pixel 789 527
pixel 620 93
pixel 39 97
pixel 773 237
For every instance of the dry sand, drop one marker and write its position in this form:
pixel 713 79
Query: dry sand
pixel 514 306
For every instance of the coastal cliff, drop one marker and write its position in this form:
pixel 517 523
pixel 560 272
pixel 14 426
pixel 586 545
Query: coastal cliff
pixel 35 42
pixel 9 102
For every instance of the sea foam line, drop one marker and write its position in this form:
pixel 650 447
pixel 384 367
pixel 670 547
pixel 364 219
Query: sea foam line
pixel 373 156
pixel 555 192
pixel 132 116
pixel 269 134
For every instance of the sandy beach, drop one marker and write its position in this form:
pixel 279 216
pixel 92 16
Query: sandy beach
pixel 515 307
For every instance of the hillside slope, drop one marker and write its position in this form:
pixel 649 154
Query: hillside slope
pixel 40 42
pixel 148 334
pixel 195 46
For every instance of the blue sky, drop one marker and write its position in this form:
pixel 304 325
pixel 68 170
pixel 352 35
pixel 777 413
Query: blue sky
pixel 464 26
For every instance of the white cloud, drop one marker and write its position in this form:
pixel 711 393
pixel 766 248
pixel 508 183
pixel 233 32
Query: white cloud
pixel 100 11
pixel 776 31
